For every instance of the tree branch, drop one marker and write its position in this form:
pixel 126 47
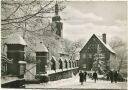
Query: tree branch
pixel 13 12
pixel 26 16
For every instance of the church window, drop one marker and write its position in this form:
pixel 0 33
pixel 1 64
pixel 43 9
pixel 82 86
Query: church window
pixel 53 64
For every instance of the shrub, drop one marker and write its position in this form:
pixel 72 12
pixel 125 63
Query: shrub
pixel 43 78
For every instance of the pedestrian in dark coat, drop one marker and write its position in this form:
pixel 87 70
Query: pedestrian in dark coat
pixel 81 75
pixel 111 76
pixel 95 76
pixel 85 74
pixel 115 76
pixel 107 75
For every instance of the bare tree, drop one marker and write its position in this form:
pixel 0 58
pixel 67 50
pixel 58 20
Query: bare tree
pixel 30 18
pixel 73 48
pixel 26 15
pixel 120 48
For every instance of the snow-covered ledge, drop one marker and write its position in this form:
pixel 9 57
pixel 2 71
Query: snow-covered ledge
pixel 22 62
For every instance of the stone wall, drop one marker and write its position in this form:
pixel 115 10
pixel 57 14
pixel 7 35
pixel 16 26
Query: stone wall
pixel 63 74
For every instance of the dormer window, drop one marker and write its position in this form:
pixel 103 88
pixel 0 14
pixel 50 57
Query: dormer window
pixel 53 64
pixel 60 64
pixel 70 65
pixel 66 64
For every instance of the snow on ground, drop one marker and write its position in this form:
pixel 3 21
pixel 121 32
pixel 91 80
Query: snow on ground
pixel 74 83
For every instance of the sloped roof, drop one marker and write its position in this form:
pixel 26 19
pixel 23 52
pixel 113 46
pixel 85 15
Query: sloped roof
pixel 53 58
pixel 61 59
pixel 66 60
pixel 105 44
pixel 40 47
pixel 15 39
pixel 61 48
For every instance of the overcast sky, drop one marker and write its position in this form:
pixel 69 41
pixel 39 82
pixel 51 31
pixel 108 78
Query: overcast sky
pixel 84 18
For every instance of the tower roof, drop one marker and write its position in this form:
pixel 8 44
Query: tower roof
pixel 15 39
pixel 56 18
pixel 40 47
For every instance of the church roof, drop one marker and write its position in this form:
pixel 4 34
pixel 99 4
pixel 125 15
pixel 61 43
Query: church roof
pixel 61 59
pixel 15 39
pixel 61 48
pixel 105 44
pixel 40 47
pixel 53 58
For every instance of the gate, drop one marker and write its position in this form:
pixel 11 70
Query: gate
pixel 30 72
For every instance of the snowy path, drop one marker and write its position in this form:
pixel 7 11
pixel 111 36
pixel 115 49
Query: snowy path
pixel 74 83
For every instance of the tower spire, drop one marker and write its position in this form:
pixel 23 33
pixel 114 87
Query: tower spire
pixel 56 17
pixel 56 8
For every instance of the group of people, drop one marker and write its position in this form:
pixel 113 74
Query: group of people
pixel 83 76
pixel 112 76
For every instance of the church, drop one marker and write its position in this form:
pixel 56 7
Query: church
pixel 48 50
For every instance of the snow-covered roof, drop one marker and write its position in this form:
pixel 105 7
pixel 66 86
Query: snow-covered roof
pixel 61 59
pixel 53 58
pixel 40 47
pixel 61 48
pixel 22 62
pixel 105 44
pixel 66 60
pixel 15 39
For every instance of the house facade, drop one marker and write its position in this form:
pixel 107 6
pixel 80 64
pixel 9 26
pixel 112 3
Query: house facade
pixel 97 55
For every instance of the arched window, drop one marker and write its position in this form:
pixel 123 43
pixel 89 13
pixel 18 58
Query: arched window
pixel 60 64
pixel 66 63
pixel 53 63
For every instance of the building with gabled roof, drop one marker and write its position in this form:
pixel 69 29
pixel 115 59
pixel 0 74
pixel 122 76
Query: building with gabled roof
pixel 15 39
pixel 40 47
pixel 97 54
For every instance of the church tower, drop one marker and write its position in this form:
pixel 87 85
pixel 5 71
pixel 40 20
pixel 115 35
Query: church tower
pixel 57 25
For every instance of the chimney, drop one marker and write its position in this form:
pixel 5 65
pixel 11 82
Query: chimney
pixel 104 37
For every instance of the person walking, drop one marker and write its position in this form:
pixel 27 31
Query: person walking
pixel 81 75
pixel 85 74
pixel 107 76
pixel 115 76
pixel 111 76
pixel 95 76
